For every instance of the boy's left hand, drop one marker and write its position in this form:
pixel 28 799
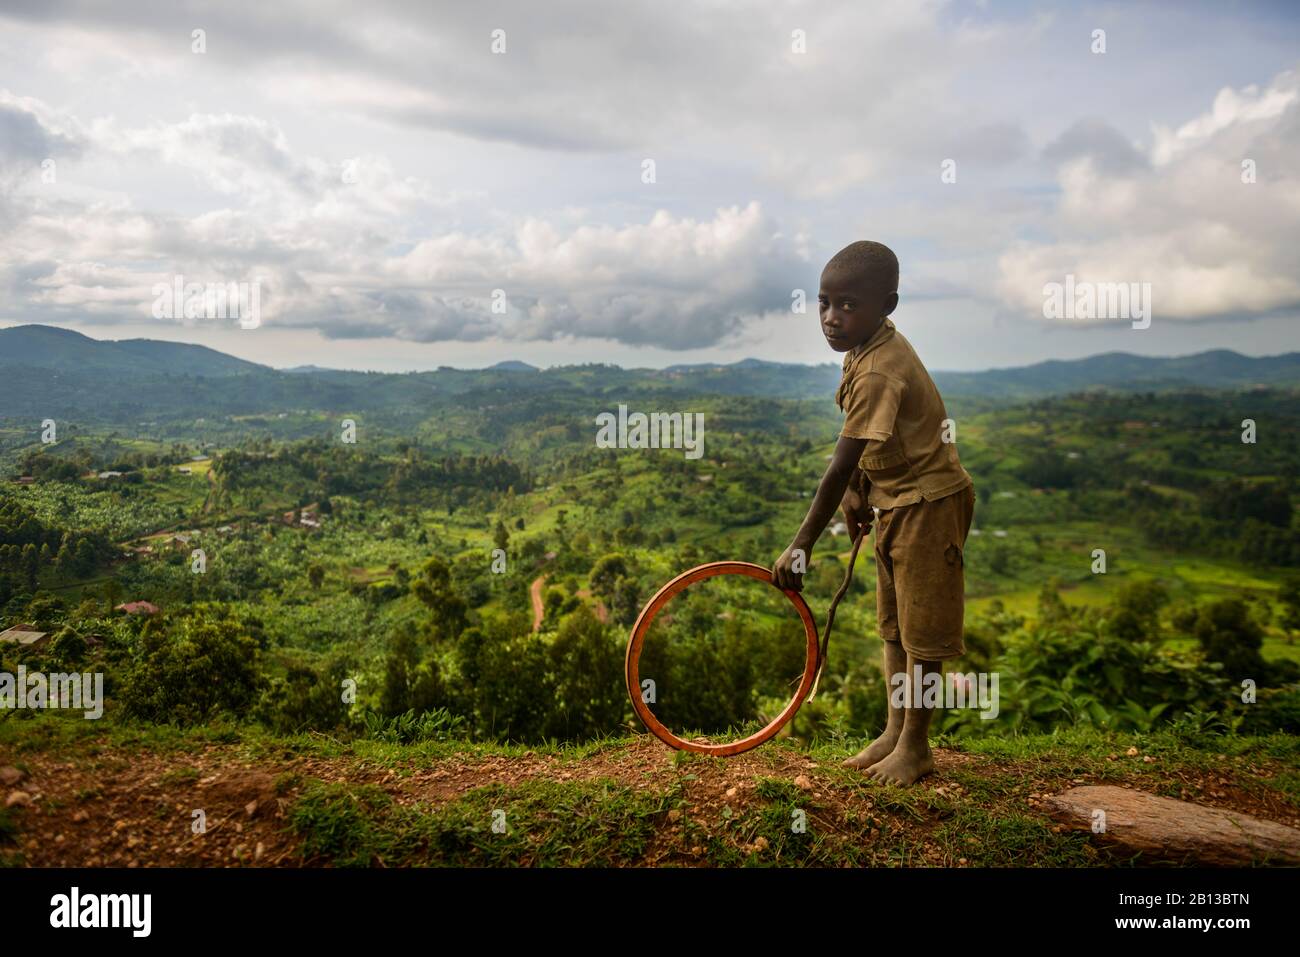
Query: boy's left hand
pixel 783 573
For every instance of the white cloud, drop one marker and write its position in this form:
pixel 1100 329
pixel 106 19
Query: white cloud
pixel 1181 219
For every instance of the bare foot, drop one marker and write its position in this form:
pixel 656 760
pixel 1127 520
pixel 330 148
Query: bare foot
pixel 875 751
pixel 903 766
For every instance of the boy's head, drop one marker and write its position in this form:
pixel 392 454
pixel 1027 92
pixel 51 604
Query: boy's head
pixel 859 288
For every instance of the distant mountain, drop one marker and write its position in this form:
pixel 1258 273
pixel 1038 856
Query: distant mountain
pixel 50 347
pixel 1218 369
pixel 50 371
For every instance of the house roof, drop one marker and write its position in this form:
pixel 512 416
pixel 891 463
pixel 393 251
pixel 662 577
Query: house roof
pixel 25 634
pixel 138 608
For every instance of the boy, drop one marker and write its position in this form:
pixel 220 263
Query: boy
pixel 894 454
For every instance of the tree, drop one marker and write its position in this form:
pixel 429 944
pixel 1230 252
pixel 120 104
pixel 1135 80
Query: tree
pixel 1227 633
pixel 315 575
pixel 189 669
pixel 31 565
pixel 627 602
pixel 410 684
pixel 1135 611
pixel 86 558
pixel 605 576
pixel 434 590
pixel 586 667
pixel 1289 596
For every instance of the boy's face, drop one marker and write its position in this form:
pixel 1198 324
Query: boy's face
pixel 852 305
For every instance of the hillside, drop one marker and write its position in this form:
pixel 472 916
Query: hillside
pixel 59 373
pixel 63 350
pixel 127 800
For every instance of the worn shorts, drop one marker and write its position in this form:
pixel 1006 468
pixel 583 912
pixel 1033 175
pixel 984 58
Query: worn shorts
pixel 920 585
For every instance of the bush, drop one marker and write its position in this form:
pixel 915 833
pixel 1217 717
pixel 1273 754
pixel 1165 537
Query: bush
pixel 1077 672
pixel 411 727
pixel 187 670
pixel 306 699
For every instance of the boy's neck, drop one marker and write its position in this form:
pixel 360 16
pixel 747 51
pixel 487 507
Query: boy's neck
pixel 874 331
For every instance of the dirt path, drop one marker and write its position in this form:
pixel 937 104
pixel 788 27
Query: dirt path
pixel 129 806
pixel 539 608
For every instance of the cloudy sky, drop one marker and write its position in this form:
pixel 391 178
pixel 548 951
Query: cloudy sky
pixel 381 170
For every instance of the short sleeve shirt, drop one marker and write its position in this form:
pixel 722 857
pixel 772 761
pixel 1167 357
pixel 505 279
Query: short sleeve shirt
pixel 889 399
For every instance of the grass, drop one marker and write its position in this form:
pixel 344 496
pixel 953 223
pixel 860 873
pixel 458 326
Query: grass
pixel 977 813
pixel 539 823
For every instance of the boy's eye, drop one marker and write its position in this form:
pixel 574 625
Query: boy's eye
pixel 846 305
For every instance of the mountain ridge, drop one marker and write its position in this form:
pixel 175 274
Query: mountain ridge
pixel 67 352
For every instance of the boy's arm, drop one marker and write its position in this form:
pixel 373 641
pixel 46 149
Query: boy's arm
pixel 830 492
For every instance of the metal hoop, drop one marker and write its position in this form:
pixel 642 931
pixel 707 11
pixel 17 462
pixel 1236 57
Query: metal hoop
pixel 642 626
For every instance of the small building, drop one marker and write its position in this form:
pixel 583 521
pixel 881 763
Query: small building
pixel 138 608
pixel 110 475
pixel 25 635
pixel 185 471
pixel 26 480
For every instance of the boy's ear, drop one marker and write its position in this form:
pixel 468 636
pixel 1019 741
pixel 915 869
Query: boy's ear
pixel 891 303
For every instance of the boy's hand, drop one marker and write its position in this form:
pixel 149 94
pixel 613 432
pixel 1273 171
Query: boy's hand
pixel 857 513
pixel 784 573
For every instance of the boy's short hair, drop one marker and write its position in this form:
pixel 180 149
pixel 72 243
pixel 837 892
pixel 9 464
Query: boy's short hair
pixel 868 258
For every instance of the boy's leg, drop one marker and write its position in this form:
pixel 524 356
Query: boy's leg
pixel 911 756
pixel 893 657
pixel 894 661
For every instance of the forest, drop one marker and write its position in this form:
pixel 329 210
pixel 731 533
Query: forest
pixel 428 581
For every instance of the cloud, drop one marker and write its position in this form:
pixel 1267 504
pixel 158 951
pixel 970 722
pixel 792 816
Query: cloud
pixel 1177 215
pixel 381 174
pixel 332 247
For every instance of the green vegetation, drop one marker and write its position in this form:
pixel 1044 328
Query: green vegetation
pixel 383 590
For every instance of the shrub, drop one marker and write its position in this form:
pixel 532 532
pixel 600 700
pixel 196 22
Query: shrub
pixel 186 670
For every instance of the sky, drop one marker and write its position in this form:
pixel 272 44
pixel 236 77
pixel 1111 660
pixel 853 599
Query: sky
pixel 413 184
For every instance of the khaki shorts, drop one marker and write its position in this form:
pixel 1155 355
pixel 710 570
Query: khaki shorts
pixel 920 586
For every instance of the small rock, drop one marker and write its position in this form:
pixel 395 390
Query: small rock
pixel 674 815
pixel 80 817
pixel 760 844
pixel 259 851
pixel 1147 759
pixel 18 799
pixel 10 775
pixel 731 792
pixel 251 807
pixel 961 861
pixel 1132 752
pixel 802 782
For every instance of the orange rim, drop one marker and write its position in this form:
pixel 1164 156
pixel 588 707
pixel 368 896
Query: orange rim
pixel 642 626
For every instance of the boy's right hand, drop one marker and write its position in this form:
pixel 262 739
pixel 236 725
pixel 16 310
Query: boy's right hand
pixel 857 513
